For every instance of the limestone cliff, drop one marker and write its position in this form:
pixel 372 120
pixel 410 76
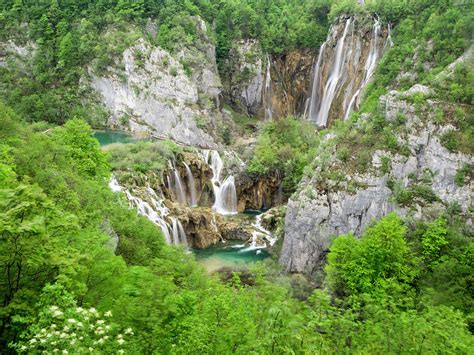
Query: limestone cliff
pixel 166 95
pixel 329 205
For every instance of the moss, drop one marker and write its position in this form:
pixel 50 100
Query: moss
pixel 464 175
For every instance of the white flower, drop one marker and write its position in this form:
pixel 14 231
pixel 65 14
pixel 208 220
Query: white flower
pixel 71 321
pixel 91 349
pixel 53 308
pixel 65 351
pixel 107 327
pixel 129 331
pixel 23 348
pixel 106 337
pixel 63 335
pixel 80 325
pixel 93 310
pixel 57 314
pixel 55 350
pixel 73 341
pixel 100 321
pixel 108 314
pixel 121 351
pixel 79 310
pixel 120 341
pixel 43 330
pixel 42 340
pixel 66 328
pixel 81 338
pixel 53 326
pixel 100 341
pixel 33 341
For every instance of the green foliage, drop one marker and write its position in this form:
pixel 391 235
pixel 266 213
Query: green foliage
pixel 464 175
pixel 375 264
pixel 141 157
pixel 285 146
pixel 416 193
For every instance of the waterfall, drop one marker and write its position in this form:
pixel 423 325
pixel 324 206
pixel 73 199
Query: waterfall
pixel 114 185
pixel 267 93
pixel 179 236
pixel 369 68
pixel 224 191
pixel 191 185
pixel 146 210
pixel 333 80
pixel 176 184
pixel 315 100
pixel 259 231
pixel 389 36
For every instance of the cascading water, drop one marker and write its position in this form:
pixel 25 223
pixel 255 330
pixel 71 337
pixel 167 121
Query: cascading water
pixel 179 236
pixel 146 210
pixel 176 185
pixel 370 66
pixel 315 99
pixel 191 185
pixel 259 232
pixel 338 80
pixel 333 80
pixel 267 93
pixel 225 194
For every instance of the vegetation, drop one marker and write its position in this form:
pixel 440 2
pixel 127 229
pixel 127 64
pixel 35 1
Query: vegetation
pixel 404 286
pixel 284 147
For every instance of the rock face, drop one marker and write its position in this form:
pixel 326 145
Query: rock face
pixel 321 210
pixel 256 194
pixel 264 86
pixel 155 93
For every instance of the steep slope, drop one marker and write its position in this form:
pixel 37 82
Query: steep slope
pixel 406 168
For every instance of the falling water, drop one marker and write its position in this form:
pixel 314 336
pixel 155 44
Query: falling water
pixel 114 185
pixel 179 236
pixel 333 80
pixel 224 191
pixel 370 66
pixel 389 36
pixel 146 210
pixel 315 99
pixel 259 232
pixel 191 185
pixel 267 94
pixel 176 184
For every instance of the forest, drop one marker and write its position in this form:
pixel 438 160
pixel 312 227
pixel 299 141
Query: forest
pixel 405 285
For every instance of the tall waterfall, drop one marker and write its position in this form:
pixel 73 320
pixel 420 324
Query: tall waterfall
pixel 333 80
pixel 315 98
pixel 191 185
pixel 224 191
pixel 267 93
pixel 338 76
pixel 369 68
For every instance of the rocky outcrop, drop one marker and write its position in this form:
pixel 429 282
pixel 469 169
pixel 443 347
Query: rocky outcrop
pixel 258 193
pixel 166 95
pixel 204 228
pixel 262 85
pixel 323 208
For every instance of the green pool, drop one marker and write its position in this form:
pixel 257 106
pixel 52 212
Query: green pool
pixel 111 137
pixel 232 254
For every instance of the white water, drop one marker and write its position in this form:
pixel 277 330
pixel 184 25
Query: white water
pixel 114 185
pixel 191 185
pixel 225 202
pixel 315 100
pixel 179 236
pixel 176 185
pixel 369 68
pixel 146 210
pixel 259 232
pixel 389 36
pixel 267 94
pixel 333 80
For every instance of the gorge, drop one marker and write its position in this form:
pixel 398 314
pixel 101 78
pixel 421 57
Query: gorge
pixel 236 176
